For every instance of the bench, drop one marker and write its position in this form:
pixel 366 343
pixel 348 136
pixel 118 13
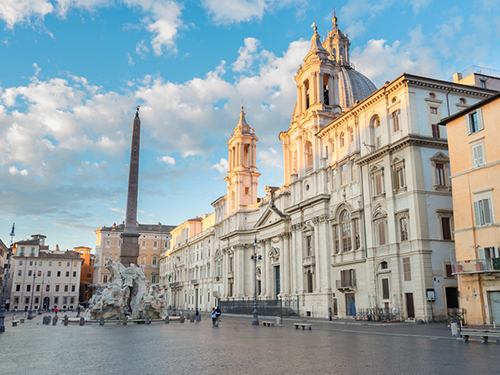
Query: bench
pixel 303 325
pixel 14 323
pixel 268 324
pixel 484 334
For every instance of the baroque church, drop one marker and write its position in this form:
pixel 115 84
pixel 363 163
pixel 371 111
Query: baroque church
pixel 364 219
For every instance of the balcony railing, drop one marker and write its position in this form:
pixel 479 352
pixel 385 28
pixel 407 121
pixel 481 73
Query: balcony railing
pixel 346 284
pixel 477 266
pixel 308 261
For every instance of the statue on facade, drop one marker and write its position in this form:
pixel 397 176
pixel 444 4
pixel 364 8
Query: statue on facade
pixel 128 293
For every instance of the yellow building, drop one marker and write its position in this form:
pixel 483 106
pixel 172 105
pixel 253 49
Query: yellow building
pixel 475 172
pixel 153 240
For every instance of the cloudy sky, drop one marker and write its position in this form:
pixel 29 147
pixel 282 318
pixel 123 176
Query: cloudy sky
pixel 73 71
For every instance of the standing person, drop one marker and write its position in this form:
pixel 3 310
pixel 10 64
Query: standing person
pixel 217 314
pixel 214 317
pixel 78 311
pixel 330 313
pixel 56 310
pixel 197 313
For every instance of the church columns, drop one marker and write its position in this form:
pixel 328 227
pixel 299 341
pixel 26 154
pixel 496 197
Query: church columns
pixel 304 95
pixel 239 274
pixel 284 263
pixel 315 85
pixel 299 98
pixel 293 250
pixel 269 269
pixel 317 256
pixel 324 262
pixel 321 88
pixel 263 270
pixel 225 271
pixel 300 161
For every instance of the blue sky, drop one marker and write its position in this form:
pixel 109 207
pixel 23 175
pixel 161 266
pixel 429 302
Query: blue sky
pixel 73 72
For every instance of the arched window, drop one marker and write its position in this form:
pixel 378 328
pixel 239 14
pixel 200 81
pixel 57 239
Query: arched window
pixel 383 266
pixel 342 140
pixel 345 222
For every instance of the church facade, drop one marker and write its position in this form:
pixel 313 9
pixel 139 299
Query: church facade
pixel 364 219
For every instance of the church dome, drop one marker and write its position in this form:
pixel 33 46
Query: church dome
pixel 353 86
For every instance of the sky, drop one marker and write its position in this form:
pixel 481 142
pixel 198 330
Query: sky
pixel 73 72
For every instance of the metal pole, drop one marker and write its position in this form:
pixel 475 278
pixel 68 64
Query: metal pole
pixel 175 281
pixel 41 297
pixel 2 306
pixel 30 312
pixel 255 321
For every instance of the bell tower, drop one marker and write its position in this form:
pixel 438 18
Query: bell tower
pixel 242 172
pixel 337 44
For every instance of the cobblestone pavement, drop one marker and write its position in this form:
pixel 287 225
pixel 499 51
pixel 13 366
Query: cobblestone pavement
pixel 338 347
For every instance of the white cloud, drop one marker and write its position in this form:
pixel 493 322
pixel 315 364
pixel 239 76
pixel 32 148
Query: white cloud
pixel 235 11
pixel 246 55
pixel 129 58
pixel 37 69
pixel 15 11
pixel 15 171
pixel 271 158
pixel 221 166
pixel 382 62
pixel 166 159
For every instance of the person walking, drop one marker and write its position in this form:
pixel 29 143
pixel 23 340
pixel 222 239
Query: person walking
pixel 217 314
pixel 330 313
pixel 78 311
pixel 197 313
pixel 214 317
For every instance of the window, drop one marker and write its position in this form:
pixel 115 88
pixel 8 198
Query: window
pixel 31 262
pixel 381 232
pixel 403 226
pixel 384 265
pixel 30 272
pixel 483 83
pixel 351 135
pixel 446 228
pixel 482 212
pixel 57 288
pixel 377 179
pixel 50 264
pixel 22 251
pixel 155 261
pixel 108 243
pixel 19 273
pixel 74 273
pixel 407 269
pixel 32 252
pixel 153 279
pixel 72 300
pixel 433 111
pixel 336 238
pixel 309 154
pixel 143 260
pixel 20 262
pixel 478 155
pixel 39 273
pixel 67 264
pixel 59 264
pixel 440 179
pixel 395 120
pixel 346 231
pixel 247 190
pixel 357 242
pixel 487 253
pixel 343 174
pixel 38 288
pixel 72 288
pixel 448 270
pixel 49 273
pixel 474 121
pixel 39 263
pixel 47 288
pixel 74 264
pixel 105 278
pixel 342 140
pixel 18 288
pixel 66 288
pixel 308 246
pixel 67 273
pixel 398 176
pixel 28 288
pixel 385 289
pixel 155 244
pixel 435 131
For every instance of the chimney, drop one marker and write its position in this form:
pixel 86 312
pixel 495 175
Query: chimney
pixel 457 77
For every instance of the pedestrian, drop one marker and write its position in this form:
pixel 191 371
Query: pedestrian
pixel 217 314
pixel 56 310
pixel 214 317
pixel 197 313
pixel 330 313
pixel 78 311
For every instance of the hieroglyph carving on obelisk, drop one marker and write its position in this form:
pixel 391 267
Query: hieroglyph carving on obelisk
pixel 129 251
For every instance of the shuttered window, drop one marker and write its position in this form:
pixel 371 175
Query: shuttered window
pixel 407 269
pixel 482 212
pixel 478 155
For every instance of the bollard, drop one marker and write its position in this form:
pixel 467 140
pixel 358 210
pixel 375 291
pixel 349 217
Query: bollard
pixel 167 320
pixel 82 321
pixel 192 318
pixel 54 320
pixel 182 319
pixel 146 321
pixel 101 321
pixel 65 320
pixel 124 320
pixel 46 320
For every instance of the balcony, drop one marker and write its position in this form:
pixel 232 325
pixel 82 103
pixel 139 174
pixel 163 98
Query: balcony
pixel 174 285
pixel 346 284
pixel 476 266
pixel 308 261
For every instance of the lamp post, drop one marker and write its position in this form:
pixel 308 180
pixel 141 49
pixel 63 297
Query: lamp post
pixel 175 283
pixel 254 257
pixel 41 297
pixel 2 306
pixel 30 312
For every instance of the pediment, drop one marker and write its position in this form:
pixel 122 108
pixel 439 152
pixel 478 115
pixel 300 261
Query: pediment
pixel 267 218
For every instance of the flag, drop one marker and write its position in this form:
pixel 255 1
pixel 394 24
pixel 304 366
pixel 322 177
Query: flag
pixel 169 276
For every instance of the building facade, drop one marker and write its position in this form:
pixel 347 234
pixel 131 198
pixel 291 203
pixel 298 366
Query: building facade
pixel 86 274
pixel 364 219
pixel 153 240
pixel 43 278
pixel 475 172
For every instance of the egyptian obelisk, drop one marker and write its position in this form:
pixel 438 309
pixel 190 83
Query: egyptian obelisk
pixel 129 251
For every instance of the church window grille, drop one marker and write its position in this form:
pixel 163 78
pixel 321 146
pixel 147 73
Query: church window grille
pixel 403 225
pixel 346 231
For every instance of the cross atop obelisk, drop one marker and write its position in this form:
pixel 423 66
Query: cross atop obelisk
pixel 129 251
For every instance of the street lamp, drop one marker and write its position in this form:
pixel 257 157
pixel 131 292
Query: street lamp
pixel 30 312
pixel 255 258
pixel 2 306
pixel 175 282
pixel 41 296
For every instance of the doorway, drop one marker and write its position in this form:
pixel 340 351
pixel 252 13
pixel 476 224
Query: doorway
pixel 452 298
pixel 410 308
pixel 277 278
pixel 46 302
pixel 495 306
pixel 350 305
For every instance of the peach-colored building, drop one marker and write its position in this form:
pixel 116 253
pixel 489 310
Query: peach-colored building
pixel 475 172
